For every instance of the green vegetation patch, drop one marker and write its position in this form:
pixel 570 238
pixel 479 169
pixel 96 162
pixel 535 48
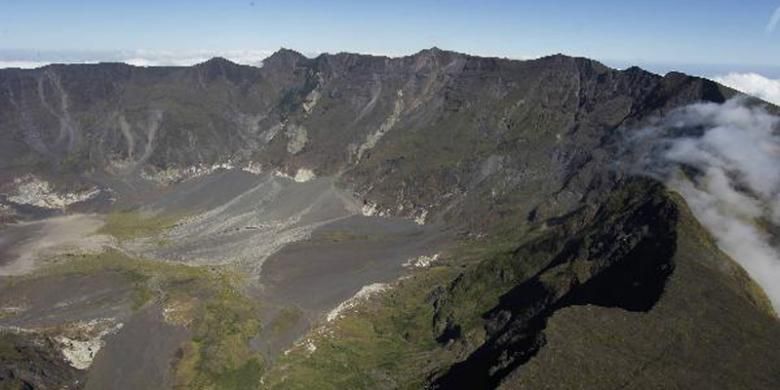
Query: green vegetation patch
pixel 8 350
pixel 390 341
pixel 209 301
pixel 387 342
pixel 286 319
pixel 127 225
pixel 696 234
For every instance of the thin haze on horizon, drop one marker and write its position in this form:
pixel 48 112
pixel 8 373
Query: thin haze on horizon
pixel 664 31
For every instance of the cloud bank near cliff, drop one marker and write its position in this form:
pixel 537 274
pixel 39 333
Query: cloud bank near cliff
pixel 724 159
pixel 753 84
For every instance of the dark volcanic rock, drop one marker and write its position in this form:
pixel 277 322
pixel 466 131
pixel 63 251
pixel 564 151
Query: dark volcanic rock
pixel 436 132
pixel 34 362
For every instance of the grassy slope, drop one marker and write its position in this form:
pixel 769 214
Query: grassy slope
pixel 126 225
pixel 389 342
pixel 712 328
pixel 210 303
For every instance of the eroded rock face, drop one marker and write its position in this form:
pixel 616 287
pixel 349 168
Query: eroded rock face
pixel 437 132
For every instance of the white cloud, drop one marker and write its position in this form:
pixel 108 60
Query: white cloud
pixel 753 84
pixel 774 20
pixel 735 150
pixel 22 64
pixel 252 57
pixel 186 58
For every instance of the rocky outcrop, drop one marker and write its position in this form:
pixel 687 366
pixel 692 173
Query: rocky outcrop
pixel 620 258
pixel 29 361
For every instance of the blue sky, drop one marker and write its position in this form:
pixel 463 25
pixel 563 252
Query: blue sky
pixel 727 34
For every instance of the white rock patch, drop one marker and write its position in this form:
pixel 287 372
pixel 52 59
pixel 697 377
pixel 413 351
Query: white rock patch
pixel 310 346
pixel 298 138
pixel 421 261
pixel 253 168
pixel 303 175
pixel 307 344
pixel 369 209
pixel 311 100
pixel 33 191
pixel 83 340
pixel 386 126
pixel 363 295
pixel 420 219
pixel 177 175
pixel 279 173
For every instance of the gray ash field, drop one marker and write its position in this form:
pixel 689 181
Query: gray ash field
pixel 303 247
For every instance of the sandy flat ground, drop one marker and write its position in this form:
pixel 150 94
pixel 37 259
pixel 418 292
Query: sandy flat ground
pixel 340 258
pixel 51 300
pixel 140 355
pixel 24 244
pixel 316 275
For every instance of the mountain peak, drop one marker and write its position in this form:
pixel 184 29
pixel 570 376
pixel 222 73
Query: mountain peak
pixel 217 61
pixel 220 67
pixel 285 56
pixel 436 52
